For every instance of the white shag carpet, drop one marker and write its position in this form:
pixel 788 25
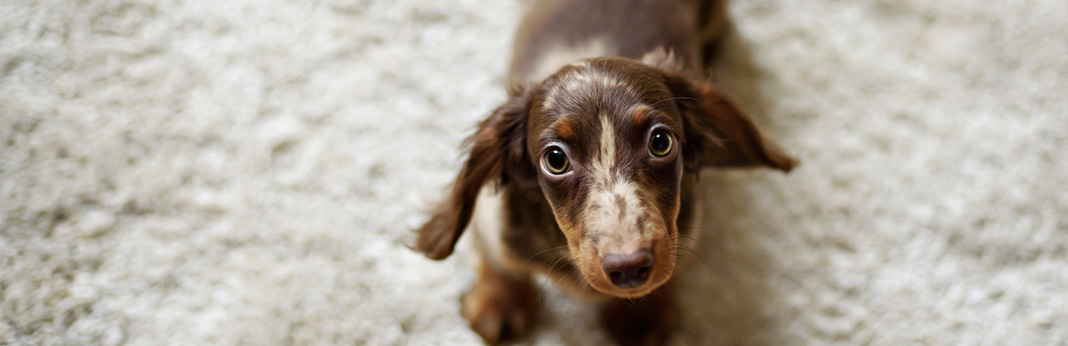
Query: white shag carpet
pixel 246 172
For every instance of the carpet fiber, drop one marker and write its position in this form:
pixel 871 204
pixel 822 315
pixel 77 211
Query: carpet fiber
pixel 247 172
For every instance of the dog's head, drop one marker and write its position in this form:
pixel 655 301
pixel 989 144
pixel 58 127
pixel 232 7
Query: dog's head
pixel 607 141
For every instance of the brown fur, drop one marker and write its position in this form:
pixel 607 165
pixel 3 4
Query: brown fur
pixel 500 307
pixel 617 198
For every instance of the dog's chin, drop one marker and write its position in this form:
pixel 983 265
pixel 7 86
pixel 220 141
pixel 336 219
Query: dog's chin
pixel 627 293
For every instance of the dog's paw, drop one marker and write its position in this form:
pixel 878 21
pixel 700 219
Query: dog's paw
pixel 500 308
pixel 639 322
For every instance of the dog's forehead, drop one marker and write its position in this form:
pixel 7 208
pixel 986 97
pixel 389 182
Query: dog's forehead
pixel 576 102
pixel 599 85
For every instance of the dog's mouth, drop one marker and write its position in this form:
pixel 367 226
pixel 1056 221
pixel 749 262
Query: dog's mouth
pixel 629 271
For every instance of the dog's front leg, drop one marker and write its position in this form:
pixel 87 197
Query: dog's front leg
pixel 648 320
pixel 502 305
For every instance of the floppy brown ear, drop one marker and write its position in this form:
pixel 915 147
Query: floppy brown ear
pixel 497 153
pixel 718 134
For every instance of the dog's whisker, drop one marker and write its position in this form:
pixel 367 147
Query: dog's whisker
pixel 565 276
pixel 690 250
pixel 676 98
pixel 700 228
pixel 703 263
pixel 543 251
pixel 553 267
pixel 585 287
pixel 560 277
pixel 684 237
pixel 693 252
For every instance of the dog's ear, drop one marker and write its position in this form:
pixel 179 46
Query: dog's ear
pixel 497 154
pixel 718 134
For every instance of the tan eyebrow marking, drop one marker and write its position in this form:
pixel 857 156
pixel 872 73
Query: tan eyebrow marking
pixel 641 115
pixel 564 129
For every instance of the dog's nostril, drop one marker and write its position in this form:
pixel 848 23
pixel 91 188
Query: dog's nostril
pixel 629 270
pixel 643 272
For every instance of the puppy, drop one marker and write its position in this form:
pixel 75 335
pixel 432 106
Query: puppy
pixel 586 174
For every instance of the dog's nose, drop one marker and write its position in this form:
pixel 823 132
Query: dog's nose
pixel 628 270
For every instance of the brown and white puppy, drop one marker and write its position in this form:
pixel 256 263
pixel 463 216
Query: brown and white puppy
pixel 587 173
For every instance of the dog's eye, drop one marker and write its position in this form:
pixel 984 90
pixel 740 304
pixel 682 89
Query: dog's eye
pixel 660 144
pixel 556 161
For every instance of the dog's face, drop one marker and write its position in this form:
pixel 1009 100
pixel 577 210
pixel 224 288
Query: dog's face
pixel 607 141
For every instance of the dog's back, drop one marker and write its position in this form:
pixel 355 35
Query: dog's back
pixel 555 33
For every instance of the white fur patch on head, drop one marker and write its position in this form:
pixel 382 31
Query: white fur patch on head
pixel 582 76
pixel 588 76
pixel 606 155
pixel 582 79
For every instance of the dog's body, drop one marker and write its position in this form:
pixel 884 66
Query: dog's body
pixel 557 33
pixel 589 168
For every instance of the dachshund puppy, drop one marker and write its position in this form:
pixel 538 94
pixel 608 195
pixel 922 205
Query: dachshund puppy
pixel 586 174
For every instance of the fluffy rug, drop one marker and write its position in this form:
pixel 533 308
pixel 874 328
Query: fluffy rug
pixel 247 172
